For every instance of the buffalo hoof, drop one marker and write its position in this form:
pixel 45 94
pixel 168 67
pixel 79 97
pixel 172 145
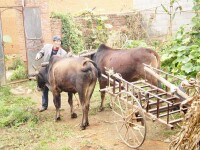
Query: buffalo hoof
pixel 101 109
pixel 87 124
pixel 58 119
pixel 83 127
pixel 74 115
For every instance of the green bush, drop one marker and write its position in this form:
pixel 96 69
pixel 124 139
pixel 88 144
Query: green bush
pixel 16 63
pixel 19 73
pixel 71 35
pixel 181 55
pixel 96 30
pixel 15 111
pixel 135 43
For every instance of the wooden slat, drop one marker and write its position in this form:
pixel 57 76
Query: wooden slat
pixel 164 108
pixel 155 102
pixel 144 86
pixel 150 97
pixel 172 112
pixel 176 121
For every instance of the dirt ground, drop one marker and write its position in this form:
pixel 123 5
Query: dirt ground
pixel 66 134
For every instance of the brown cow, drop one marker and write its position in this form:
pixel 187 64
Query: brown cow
pixel 74 74
pixel 129 63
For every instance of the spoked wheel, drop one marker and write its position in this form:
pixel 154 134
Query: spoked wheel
pixel 129 119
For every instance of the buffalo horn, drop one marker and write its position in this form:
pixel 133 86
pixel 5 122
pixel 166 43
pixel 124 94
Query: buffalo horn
pixel 44 64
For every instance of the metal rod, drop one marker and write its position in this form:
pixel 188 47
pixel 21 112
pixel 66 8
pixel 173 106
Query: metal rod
pixel 166 88
pixel 108 81
pixel 167 113
pixel 140 98
pixel 120 88
pixel 158 105
pixel 147 100
pixel 114 85
pixel 175 121
pixel 171 112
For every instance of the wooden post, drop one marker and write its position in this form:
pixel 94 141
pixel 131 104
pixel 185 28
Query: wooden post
pixel 165 82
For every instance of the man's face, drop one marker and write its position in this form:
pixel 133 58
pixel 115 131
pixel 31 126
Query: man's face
pixel 57 43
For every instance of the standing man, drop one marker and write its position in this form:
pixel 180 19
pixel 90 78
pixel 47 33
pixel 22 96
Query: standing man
pixel 46 52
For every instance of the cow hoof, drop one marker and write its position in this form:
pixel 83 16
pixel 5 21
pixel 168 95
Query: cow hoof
pixel 74 115
pixel 83 127
pixel 101 109
pixel 58 119
pixel 87 124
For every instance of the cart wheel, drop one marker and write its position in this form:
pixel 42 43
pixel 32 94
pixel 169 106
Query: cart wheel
pixel 129 119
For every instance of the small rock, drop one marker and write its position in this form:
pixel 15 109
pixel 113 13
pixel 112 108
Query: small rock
pixel 167 140
pixel 17 92
pixel 29 91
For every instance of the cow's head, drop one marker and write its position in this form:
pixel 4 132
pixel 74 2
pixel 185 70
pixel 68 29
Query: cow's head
pixel 41 77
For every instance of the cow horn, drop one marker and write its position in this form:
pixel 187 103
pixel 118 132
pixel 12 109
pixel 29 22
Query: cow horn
pixel 44 64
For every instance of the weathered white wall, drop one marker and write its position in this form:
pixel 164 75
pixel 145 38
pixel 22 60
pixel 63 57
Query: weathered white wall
pixel 157 20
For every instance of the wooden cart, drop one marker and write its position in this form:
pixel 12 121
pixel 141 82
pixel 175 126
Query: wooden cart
pixel 132 101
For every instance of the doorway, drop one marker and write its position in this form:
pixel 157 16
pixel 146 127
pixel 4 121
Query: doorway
pixel 20 40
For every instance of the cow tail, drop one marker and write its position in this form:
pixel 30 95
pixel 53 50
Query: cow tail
pixel 158 65
pixel 88 67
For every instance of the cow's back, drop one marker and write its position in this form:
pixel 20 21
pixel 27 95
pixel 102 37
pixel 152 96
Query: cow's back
pixel 67 73
pixel 128 62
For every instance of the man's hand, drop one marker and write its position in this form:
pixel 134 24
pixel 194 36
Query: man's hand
pixel 38 56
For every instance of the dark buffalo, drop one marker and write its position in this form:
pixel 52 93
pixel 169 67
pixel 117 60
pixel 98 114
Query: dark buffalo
pixel 73 74
pixel 129 63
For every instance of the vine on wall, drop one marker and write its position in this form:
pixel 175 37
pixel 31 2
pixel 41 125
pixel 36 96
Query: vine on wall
pixel 96 30
pixel 71 35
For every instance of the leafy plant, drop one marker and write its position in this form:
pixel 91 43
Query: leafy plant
pixel 181 54
pixel 18 62
pixel 135 43
pixel 71 35
pixel 19 73
pixel 14 110
pixel 171 11
pixel 96 30
pixel 66 148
